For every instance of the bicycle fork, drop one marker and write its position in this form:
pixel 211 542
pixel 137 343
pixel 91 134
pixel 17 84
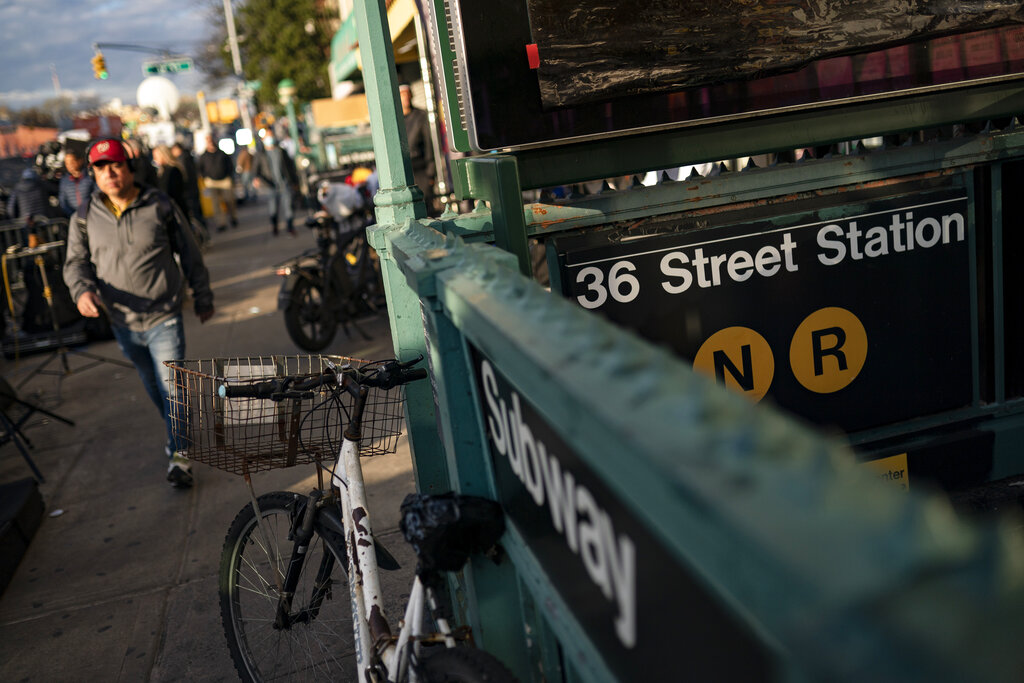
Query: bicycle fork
pixel 303 534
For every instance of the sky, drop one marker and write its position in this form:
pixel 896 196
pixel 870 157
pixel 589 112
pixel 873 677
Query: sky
pixel 40 37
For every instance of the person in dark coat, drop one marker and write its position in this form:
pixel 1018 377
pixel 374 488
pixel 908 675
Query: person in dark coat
pixel 190 176
pixel 273 167
pixel 169 178
pixel 218 174
pixel 421 147
pixel 29 197
pixel 142 162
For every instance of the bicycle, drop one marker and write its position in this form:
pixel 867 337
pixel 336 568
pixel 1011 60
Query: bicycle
pixel 286 555
pixel 335 283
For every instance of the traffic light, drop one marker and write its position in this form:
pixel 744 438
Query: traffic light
pixel 99 67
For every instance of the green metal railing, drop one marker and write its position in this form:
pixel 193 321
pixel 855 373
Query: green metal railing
pixel 833 575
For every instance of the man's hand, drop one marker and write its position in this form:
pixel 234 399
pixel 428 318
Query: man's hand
pixel 205 315
pixel 89 305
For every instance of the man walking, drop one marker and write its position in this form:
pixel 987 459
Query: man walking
pixel 121 252
pixel 217 172
pixel 274 167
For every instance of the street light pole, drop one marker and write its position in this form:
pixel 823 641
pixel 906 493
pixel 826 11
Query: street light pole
pixel 236 62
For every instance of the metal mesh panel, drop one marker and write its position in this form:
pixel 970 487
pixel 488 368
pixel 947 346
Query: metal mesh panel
pixel 247 435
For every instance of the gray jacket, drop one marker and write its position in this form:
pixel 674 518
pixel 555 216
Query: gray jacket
pixel 129 261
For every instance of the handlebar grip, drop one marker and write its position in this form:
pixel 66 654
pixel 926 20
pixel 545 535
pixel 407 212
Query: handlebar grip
pixel 258 390
pixel 413 375
pixel 276 389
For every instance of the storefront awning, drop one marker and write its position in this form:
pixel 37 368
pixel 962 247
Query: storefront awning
pixel 345 45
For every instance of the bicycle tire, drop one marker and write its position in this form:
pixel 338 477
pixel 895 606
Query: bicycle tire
pixel 464 665
pixel 318 650
pixel 308 319
pixel 370 278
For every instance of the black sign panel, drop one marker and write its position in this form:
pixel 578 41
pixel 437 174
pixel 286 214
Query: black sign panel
pixel 649 617
pixel 615 49
pixel 853 316
pixel 531 72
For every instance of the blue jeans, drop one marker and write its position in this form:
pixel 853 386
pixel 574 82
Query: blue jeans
pixel 147 351
pixel 280 205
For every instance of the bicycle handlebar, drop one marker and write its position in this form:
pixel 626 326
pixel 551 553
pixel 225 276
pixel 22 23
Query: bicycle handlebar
pixel 388 375
pixel 276 389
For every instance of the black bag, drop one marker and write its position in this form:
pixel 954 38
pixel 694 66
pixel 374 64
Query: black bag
pixel 445 529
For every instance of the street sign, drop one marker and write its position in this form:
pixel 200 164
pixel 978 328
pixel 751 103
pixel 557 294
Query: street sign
pixel 824 306
pixel 164 66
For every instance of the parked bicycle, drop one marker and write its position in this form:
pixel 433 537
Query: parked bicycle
pixel 289 558
pixel 336 283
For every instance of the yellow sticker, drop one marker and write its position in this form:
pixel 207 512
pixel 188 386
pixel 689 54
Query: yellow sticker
pixel 892 469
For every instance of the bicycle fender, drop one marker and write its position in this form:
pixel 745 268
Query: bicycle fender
pixel 330 519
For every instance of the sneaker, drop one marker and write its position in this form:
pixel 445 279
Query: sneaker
pixel 222 228
pixel 234 222
pixel 179 472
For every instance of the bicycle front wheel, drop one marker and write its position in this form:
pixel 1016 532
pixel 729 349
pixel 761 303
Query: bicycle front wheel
pixel 308 318
pixel 315 642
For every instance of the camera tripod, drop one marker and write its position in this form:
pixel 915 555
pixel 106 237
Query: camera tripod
pixel 62 352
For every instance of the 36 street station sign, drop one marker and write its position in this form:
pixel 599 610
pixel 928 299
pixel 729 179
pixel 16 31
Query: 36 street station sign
pixel 853 316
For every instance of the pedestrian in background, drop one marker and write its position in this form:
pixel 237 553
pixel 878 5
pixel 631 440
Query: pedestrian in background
pixel 169 178
pixel 29 197
pixel 243 166
pixel 274 167
pixel 217 172
pixel 285 142
pixel 122 245
pixel 76 184
pixel 142 162
pixel 30 200
pixel 187 164
pixel 421 147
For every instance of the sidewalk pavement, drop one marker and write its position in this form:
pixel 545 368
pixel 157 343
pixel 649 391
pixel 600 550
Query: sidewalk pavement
pixel 120 581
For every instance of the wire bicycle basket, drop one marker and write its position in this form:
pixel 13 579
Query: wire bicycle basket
pixel 248 435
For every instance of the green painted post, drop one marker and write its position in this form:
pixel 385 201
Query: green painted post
pixel 398 198
pixel 397 202
pixel 485 595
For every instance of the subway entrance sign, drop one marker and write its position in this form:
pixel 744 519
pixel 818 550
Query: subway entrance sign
pixel 610 569
pixel 853 315
pixel 167 66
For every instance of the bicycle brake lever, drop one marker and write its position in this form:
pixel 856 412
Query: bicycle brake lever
pixel 297 395
pixel 410 363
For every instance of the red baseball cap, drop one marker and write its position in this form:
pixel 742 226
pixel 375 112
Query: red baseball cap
pixel 107 150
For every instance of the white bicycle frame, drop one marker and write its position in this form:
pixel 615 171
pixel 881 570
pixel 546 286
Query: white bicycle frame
pixel 370 626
